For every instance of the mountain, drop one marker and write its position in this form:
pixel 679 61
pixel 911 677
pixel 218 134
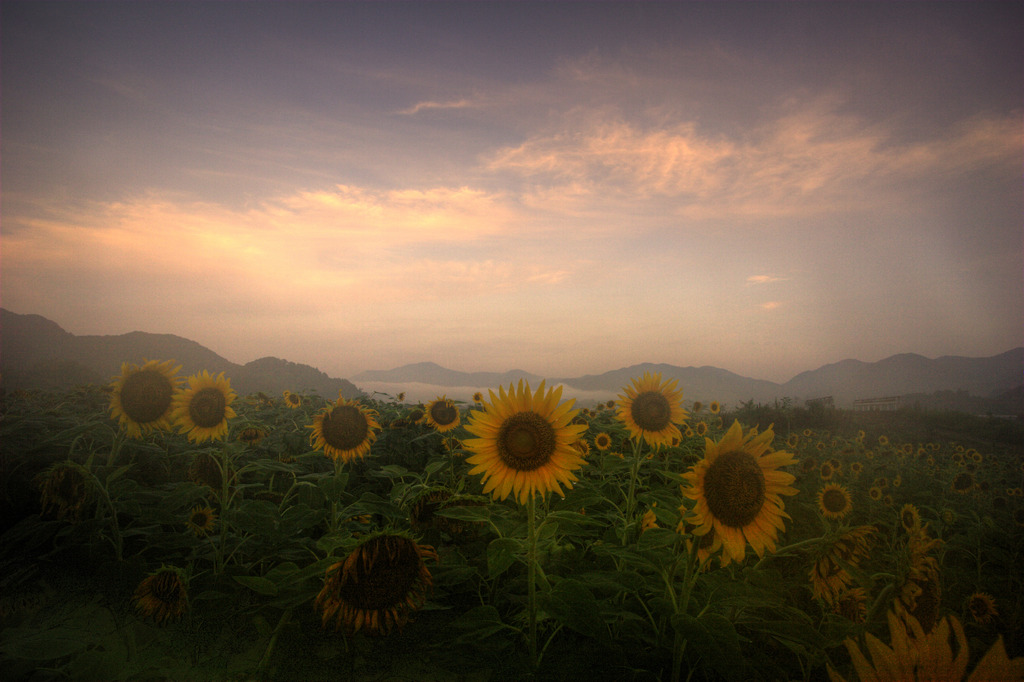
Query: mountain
pixel 38 353
pixel 432 373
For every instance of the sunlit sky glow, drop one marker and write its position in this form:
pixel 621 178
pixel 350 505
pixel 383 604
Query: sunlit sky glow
pixel 565 188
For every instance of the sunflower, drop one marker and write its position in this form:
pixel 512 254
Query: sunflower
pixel 982 607
pixel 524 442
pixel 478 397
pixel 697 406
pixel 400 398
pixel 205 469
pixel 963 483
pixel 826 471
pixel 202 520
pixel 163 595
pixel 856 467
pixel 292 400
pixel 910 518
pixel 792 440
pixel 883 440
pixel 834 501
pixel 377 586
pixel 701 429
pixel 141 399
pixel 916 655
pixel 714 407
pixel 202 410
pixel 250 435
pixel 920 591
pixel 829 574
pixel 602 441
pixel 852 605
pixel 650 519
pixel 651 409
pixel 344 430
pixel 64 490
pixel 875 493
pixel 442 414
pixel 737 491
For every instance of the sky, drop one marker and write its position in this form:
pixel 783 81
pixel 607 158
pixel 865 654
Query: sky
pixel 565 188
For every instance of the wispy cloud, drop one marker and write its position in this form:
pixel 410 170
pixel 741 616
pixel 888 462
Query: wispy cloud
pixel 430 105
pixel 765 279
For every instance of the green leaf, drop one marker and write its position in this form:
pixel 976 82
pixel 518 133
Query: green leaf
pixel 333 485
pixel 478 513
pixel 501 553
pixel 573 605
pixel 258 584
pixel 479 623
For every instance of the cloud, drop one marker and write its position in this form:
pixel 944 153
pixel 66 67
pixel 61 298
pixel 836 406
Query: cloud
pixel 429 105
pixel 765 279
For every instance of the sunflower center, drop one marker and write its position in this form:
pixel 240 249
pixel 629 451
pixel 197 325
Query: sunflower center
pixel 443 413
pixel 146 395
pixel 734 488
pixel 199 519
pixel 651 411
pixel 526 441
pixel 387 579
pixel 167 587
pixel 344 427
pixel 207 408
pixel 833 500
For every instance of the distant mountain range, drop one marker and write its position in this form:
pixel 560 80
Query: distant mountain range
pixel 37 353
pixel 996 380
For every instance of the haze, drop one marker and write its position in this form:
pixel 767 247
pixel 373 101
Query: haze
pixel 565 188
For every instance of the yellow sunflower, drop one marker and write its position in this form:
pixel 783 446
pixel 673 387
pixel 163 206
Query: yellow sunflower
pixel 963 483
pixel 834 501
pixel 64 490
pixel 141 399
pixel 292 400
pixel 651 409
pixel 203 409
pixel 714 407
pixel 602 441
pixel 910 518
pixel 852 605
pixel 344 430
pixel 202 520
pixel 478 397
pixel 377 586
pixel 251 435
pixel 982 607
pixel 163 595
pixel 737 491
pixel 524 442
pixel 829 575
pixel 916 655
pixel 442 414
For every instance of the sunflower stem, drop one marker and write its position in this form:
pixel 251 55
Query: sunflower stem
pixel 631 496
pixel 531 561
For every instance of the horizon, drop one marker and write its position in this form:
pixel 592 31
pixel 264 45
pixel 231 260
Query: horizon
pixel 525 370
pixel 566 188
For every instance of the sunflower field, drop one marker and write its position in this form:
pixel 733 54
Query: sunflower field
pixel 165 528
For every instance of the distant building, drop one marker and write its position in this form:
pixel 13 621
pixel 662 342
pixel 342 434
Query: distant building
pixel 825 402
pixel 888 404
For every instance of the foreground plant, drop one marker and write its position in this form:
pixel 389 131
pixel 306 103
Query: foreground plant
pixel 163 595
pixel 141 398
pixel 203 409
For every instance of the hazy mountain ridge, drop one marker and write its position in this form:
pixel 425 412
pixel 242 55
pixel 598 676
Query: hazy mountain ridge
pixel 38 353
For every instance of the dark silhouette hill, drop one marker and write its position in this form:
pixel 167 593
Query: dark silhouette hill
pixel 37 353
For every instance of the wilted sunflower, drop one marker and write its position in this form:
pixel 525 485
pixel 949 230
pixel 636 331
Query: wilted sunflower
pixel 915 655
pixel 602 441
pixel 829 574
pixel 963 483
pixel 292 400
pixel 378 585
pixel 203 409
pixel 910 518
pixel 524 442
pixel 737 491
pixel 250 435
pixel 141 399
pixel 834 501
pixel 442 414
pixel 162 595
pixel 344 430
pixel 982 607
pixel 64 490
pixel 651 409
pixel 202 520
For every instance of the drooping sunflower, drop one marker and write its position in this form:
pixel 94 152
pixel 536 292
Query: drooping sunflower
pixel 377 586
pixel 829 574
pixel 834 501
pixel 442 414
pixel 250 435
pixel 205 469
pixel 963 483
pixel 202 520
pixel 344 430
pixel 163 595
pixel 651 409
pixel 203 409
pixel 602 441
pixel 141 398
pixel 852 605
pixel 916 655
pixel 292 400
pixel 982 607
pixel 737 491
pixel 524 442
pixel 64 491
